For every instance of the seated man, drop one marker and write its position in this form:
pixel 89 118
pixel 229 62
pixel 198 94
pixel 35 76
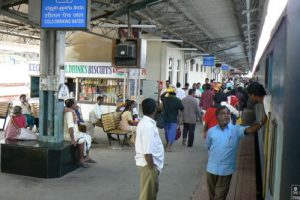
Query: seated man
pixel 84 126
pixel 71 133
pixel 96 112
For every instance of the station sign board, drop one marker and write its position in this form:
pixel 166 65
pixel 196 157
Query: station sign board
pixel 65 14
pixel 209 61
pixel 225 67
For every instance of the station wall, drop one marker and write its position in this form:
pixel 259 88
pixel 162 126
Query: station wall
pixel 85 47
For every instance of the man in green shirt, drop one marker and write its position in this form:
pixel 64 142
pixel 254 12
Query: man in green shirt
pixel 171 105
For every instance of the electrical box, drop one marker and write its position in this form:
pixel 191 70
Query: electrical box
pixel 126 50
pixel 129 54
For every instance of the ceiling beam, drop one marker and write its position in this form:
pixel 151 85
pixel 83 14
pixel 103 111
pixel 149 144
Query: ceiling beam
pixel 11 3
pixel 21 35
pixel 1 3
pixel 133 7
pixel 19 17
pixel 170 31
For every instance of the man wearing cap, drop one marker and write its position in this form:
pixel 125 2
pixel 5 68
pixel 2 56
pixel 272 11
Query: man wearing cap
pixel 168 86
pixel 172 105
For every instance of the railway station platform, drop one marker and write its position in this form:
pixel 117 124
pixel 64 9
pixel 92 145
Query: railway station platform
pixel 115 176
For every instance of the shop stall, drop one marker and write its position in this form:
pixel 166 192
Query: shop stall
pixel 86 81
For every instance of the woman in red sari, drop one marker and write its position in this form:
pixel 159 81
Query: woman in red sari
pixel 16 127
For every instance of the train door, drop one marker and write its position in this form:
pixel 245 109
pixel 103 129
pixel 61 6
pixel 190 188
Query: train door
pixel 269 137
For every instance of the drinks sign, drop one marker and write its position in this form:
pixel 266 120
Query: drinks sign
pixel 65 14
pixel 83 69
pixel 87 69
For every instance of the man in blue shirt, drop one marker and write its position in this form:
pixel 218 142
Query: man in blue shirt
pixel 222 142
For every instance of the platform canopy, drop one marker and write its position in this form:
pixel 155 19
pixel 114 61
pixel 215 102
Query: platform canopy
pixel 228 29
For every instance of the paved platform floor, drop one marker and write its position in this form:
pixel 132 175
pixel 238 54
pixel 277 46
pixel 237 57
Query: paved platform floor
pixel 115 176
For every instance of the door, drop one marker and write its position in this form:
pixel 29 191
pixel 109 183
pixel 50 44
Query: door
pixel 150 89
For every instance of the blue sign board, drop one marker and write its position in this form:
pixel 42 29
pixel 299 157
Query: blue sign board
pixel 64 14
pixel 208 60
pixel 225 67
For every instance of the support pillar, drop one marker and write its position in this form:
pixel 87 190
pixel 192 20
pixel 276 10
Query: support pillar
pixel 51 66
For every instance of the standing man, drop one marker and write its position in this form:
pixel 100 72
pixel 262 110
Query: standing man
pixel 186 88
pixel 198 91
pixel 190 113
pixel 222 142
pixel 205 84
pixel 172 105
pixel 207 98
pixel 180 93
pixel 164 89
pixel 149 151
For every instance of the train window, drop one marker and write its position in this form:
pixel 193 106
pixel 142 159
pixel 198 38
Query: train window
pixel 273 156
pixel 197 68
pixel 268 72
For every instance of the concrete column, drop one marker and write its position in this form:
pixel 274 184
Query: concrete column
pixel 51 109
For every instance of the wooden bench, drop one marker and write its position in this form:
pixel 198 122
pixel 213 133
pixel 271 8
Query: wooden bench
pixel 110 122
pixel 4 111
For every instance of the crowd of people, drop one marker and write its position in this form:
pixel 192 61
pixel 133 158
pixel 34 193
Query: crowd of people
pixel 220 105
pixel 217 105
pixel 188 105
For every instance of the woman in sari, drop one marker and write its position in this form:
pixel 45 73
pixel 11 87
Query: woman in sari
pixel 127 123
pixel 16 128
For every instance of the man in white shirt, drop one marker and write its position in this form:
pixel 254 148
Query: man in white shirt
pixel 72 134
pixel 149 151
pixel 96 112
pixel 180 93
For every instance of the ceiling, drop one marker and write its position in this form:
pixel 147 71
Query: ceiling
pixel 228 29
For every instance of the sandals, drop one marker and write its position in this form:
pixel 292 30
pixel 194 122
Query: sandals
pixel 84 165
pixel 90 161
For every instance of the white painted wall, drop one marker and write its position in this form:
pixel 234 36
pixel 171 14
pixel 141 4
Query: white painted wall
pixel 176 55
pixel 154 57
pixel 158 55
pixel 195 76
